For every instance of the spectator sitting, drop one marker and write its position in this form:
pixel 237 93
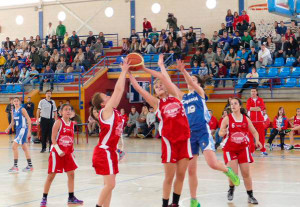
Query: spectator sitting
pixel 45 59
pixel 31 41
pixel 55 56
pixel 281 29
pixel 73 41
pixel 143 45
pixel 92 123
pixel 244 17
pixel 222 30
pixel 271 46
pixel 150 48
pixel 9 62
pixel 191 36
pixel 222 72
pixel 153 34
pixel 236 41
pixel 89 58
pixel 166 49
pixel 243 68
pixel 170 40
pixel 124 115
pixel 181 33
pixel 252 57
pixel 297 36
pixel 214 40
pixel 150 124
pixel 61 65
pixel 33 75
pixel 52 64
pixel 214 73
pixel 264 57
pixel 24 75
pixel 2 60
pixel 125 47
pixel 197 57
pixel 281 48
pixel 195 68
pixel 242 27
pixel 15 75
pixel 147 27
pixel 7 43
pixel 203 43
pixel 246 40
pixel 79 58
pixel 225 42
pixel 47 77
pixel 65 38
pixel 134 35
pixel 102 38
pixel 173 33
pixel 176 50
pixel 213 123
pixel 82 45
pixel 209 56
pixel 141 121
pixel 50 49
pixel 42 49
pixel 8 75
pixel 219 56
pixel 184 47
pixel 203 70
pixel 131 124
pixel 252 29
pixel 19 50
pixel 134 47
pixel 234 71
pixel 242 54
pixel 293 27
pixel 230 57
pixel 38 43
pixel 289 34
pixel 91 39
pixel 24 44
pixel 250 82
pixel 54 41
pixel 2 74
pixel 17 42
pixel 160 44
pixel 292 47
pixel 35 58
pixel 163 34
pixel 97 48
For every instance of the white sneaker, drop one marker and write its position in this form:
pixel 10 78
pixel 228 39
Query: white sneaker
pixel 13 170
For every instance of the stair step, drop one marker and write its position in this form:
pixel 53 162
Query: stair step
pixel 223 96
pixel 71 88
pixel 224 89
pixel 112 53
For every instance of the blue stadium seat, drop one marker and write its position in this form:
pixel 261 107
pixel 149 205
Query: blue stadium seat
pixel 119 60
pixel 147 58
pixel 10 88
pixel 282 82
pixel 17 88
pixel 60 78
pixel 279 62
pixel 3 89
pixel 290 83
pixel 109 44
pixel 114 70
pixel 284 72
pixel 241 82
pixel 69 79
pixel 290 61
pixel 273 72
pixel 155 58
pixel 262 72
pixel 296 72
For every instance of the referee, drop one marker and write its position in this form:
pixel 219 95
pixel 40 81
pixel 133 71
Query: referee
pixel 48 112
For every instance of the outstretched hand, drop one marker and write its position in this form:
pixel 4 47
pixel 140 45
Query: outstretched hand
pixel 160 60
pixel 125 65
pixel 180 65
pixel 258 144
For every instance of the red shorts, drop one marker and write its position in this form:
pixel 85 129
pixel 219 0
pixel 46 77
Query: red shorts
pixel 58 164
pixel 243 156
pixel 105 161
pixel 173 152
pixel 297 132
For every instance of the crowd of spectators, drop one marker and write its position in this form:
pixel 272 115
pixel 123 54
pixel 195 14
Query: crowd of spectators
pixel 20 61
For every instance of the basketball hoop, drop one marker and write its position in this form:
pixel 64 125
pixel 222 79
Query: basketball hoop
pixel 258 7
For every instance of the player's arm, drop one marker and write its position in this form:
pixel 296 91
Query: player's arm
pixel 25 114
pixel 223 127
pixel 55 130
pixel 291 121
pixel 118 92
pixel 145 94
pixel 254 133
pixel 12 123
pixel 188 79
pixel 38 111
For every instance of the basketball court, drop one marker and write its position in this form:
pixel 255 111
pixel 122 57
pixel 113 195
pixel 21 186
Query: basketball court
pixel 276 180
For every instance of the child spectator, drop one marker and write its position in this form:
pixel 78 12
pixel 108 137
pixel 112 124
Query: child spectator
pixel 195 68
pixel 252 57
pixel 280 124
pixel 243 68
pixel 222 72
pixel 203 70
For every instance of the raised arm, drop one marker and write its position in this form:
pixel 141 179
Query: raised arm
pixel 115 99
pixel 189 80
pixel 146 95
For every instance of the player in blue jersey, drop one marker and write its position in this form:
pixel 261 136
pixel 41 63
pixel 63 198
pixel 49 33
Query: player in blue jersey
pixel 22 122
pixel 196 110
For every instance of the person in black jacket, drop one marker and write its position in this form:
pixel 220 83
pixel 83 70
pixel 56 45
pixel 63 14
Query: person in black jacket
pixel 191 35
pixel 134 35
pixel 243 69
pixel 281 48
pixel 252 57
pixel 29 106
pixel 8 110
pixel 292 47
pixel 197 57
pixel 203 44
pixel 91 39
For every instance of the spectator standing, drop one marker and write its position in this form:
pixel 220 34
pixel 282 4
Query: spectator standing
pixel 229 21
pixel 255 107
pixel 244 17
pixel 91 39
pixel 9 108
pixel 47 78
pixel 46 115
pixel 29 106
pixel 131 124
pixel 264 57
pixel 60 32
pixel 147 27
pixel 236 20
pixel 172 21
pixel 50 32
pixel 251 82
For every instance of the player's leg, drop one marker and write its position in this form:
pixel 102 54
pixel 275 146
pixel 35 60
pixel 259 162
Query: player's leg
pixel 15 168
pixel 47 185
pixel 261 131
pixel 193 178
pixel 28 157
pixel 72 199
pixel 291 136
pixel 233 164
pixel 170 170
pixel 245 171
pixel 109 185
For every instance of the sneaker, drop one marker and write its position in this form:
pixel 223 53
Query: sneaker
pixel 13 170
pixel 43 150
pixel 291 147
pixel 121 154
pixel 141 136
pixel 28 169
pixel 271 147
pixel 230 194
pixel 264 154
pixel 195 203
pixel 252 200
pixel 287 131
pixel 233 177
pixel 43 202
pixel 74 200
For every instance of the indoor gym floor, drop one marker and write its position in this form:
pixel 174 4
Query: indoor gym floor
pixel 276 179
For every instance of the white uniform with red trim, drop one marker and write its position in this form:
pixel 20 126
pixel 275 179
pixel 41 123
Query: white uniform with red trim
pixel 65 141
pixel 236 143
pixel 105 157
pixel 174 130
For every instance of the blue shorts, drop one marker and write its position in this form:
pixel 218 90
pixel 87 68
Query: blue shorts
pixel 203 139
pixel 21 136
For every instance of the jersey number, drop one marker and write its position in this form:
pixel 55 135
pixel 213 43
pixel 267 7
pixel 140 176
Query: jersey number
pixel 191 109
pixel 17 123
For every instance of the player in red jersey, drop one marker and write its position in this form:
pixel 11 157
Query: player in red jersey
pixel 105 157
pixel 236 152
pixel 255 107
pixel 174 129
pixel 61 157
pixel 294 122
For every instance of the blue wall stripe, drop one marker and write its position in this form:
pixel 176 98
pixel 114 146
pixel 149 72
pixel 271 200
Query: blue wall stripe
pixel 41 24
pixel 241 6
pixel 132 15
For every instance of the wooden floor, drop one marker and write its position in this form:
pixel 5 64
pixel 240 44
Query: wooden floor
pixel 276 179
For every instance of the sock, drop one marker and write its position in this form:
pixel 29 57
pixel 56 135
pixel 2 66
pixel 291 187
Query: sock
pixel 250 193
pixel 71 195
pixel 97 205
pixel 29 162
pixel 175 198
pixel 231 187
pixel 15 162
pixel 165 202
pixel 45 195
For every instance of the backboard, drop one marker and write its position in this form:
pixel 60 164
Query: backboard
pixel 288 8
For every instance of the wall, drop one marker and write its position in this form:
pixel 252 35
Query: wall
pixel 3 121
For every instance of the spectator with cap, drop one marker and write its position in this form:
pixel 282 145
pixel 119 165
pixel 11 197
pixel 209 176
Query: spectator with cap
pixel 60 32
pixel 46 115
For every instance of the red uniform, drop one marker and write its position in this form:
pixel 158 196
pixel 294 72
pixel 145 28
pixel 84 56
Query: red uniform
pixel 213 123
pixel 296 123
pixel 257 119
pixel 174 129
pixel 105 157
pixel 65 140
pixel 236 143
pixel 125 118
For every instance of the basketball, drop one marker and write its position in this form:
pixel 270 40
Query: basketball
pixel 136 61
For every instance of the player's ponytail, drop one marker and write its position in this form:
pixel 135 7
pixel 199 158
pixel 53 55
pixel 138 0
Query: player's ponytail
pixel 97 101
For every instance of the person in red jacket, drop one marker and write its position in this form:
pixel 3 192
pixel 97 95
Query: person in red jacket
pixel 124 115
pixel 294 123
pixel 213 123
pixel 147 27
pixel 280 124
pixel 255 107
pixel 267 122
pixel 236 20
pixel 222 72
pixel 244 16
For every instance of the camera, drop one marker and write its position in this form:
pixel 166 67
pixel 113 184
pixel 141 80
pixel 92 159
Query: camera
pixel 170 15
